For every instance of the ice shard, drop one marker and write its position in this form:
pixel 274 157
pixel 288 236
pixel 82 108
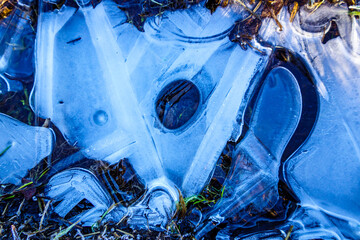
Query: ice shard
pixel 21 148
pixel 325 171
pixel 70 187
pixel 167 99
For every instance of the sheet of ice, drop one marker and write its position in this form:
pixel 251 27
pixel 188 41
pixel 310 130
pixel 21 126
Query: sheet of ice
pixel 307 223
pixel 21 148
pixel 68 188
pixel 17 42
pixel 190 49
pixel 254 170
pixel 326 170
pixel 79 62
pixel 102 83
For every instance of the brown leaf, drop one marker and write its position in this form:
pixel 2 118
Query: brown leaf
pixel 29 191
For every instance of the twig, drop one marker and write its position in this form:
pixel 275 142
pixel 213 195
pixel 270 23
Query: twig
pixel 20 207
pixel 29 234
pixel 123 232
pixel 65 231
pixel 317 5
pixel 273 15
pixel 289 232
pixel 294 11
pixel 40 204
pixel 44 213
pixel 89 234
pixel 248 9
pixel 14 233
pixel 79 235
pixel 122 219
pixel 5 150
pixel 23 186
pixel 5 209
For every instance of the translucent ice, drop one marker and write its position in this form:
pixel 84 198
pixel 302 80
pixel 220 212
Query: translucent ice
pixel 326 170
pixel 8 85
pixel 17 42
pixel 306 223
pixel 254 172
pixel 21 148
pixel 167 99
pixel 16 47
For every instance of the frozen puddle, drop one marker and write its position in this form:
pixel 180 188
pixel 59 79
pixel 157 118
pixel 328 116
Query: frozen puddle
pixel 169 101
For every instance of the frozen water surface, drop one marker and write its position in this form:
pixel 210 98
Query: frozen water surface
pixel 118 75
pixel 257 157
pixel 325 171
pixel 170 98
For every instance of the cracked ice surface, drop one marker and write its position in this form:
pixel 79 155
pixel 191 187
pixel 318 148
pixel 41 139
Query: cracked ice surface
pixel 121 121
pixel 101 81
pixel 91 56
pixel 326 170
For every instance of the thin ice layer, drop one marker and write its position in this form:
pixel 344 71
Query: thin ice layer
pixel 254 172
pixel 99 81
pixel 326 170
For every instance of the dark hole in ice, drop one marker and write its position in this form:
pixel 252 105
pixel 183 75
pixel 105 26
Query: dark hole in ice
pixel 16 104
pixel 332 33
pixel 177 103
pixel 120 180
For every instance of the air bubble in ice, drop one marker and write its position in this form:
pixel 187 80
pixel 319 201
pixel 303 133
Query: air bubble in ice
pixel 100 117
